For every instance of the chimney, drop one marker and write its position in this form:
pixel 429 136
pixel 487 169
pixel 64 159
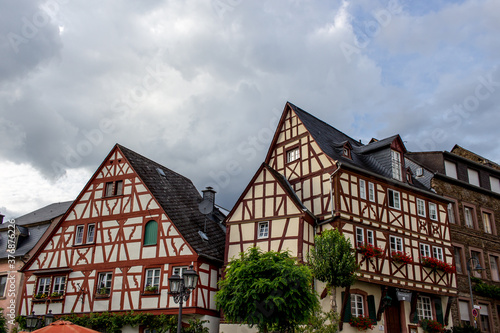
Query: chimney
pixel 209 195
pixel 1 218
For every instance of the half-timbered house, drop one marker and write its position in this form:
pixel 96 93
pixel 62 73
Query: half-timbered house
pixel 315 177
pixel 133 225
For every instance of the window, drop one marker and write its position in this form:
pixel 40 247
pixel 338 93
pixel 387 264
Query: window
pixel 43 285
pixel 59 284
pixel 495 276
pixel 151 233
pixel 473 177
pixel 370 239
pixel 360 237
pixel 451 213
pixel 394 201
pixel 450 169
pixel 433 211
pixel 114 188
pixel 495 184
pixel 357 305
pixel 90 233
pixel 424 308
pixel 425 250
pixel 477 260
pixel 464 312
pixel 468 217
pixel 292 155
pixel 104 283
pixel 152 278
pixel 371 192
pixel 458 260
pixel 362 189
pixel 484 318
pixel 3 284
pixel 179 270
pixel 437 253
pixel 420 207
pixel 263 229
pixel 487 223
pixel 396 164
pixel 396 243
pixel 79 234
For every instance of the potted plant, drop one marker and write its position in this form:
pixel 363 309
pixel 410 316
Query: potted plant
pixel 436 264
pixel 40 296
pixel 151 290
pixel 56 295
pixel 370 251
pixel 431 326
pixel 102 293
pixel 361 323
pixel 400 257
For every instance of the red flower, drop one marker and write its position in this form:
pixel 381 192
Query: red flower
pixel 401 257
pixel 434 264
pixel 370 251
pixel 361 323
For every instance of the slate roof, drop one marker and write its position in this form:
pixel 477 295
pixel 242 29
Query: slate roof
pixel 179 199
pixel 31 228
pixel 374 157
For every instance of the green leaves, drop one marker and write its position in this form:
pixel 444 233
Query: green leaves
pixel 333 259
pixel 269 290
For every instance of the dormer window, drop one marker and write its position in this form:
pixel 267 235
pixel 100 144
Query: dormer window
pixel 409 176
pixel 396 164
pixel 346 150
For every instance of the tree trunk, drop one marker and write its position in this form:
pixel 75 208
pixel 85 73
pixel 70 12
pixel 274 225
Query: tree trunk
pixel 333 298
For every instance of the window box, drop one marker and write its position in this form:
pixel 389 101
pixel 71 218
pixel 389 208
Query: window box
pixel 436 264
pixel 362 323
pixel 151 290
pixel 102 294
pixel 56 296
pixel 400 257
pixel 39 298
pixel 431 326
pixel 370 251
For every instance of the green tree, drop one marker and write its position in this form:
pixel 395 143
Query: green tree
pixel 3 322
pixel 268 290
pixel 333 261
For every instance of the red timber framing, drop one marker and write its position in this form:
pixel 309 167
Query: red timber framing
pixel 102 238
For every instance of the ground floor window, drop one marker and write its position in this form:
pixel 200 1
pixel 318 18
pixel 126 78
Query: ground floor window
pixel 357 305
pixel 464 312
pixel 424 308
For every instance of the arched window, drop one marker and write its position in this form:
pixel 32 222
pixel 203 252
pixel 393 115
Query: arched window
pixel 151 233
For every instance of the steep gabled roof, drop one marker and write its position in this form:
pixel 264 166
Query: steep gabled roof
pixel 179 199
pixel 44 214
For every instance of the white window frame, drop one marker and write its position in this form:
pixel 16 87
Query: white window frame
pixel 487 222
pixel 494 260
pixel 371 191
pixel 420 207
pixel 360 236
pixel 152 278
pixel 90 233
pixel 468 216
pixel 396 243
pixel 59 284
pixel 357 305
pixel 451 213
pixel 79 234
pixel 179 270
pixel 104 280
pixel 370 237
pixel 396 199
pixel 450 169
pixel 495 184
pixel 293 155
pixel 3 284
pixel 437 253
pixel 263 230
pixel 396 165
pixel 362 189
pixel 43 286
pixel 425 250
pixel 424 308
pixel 433 211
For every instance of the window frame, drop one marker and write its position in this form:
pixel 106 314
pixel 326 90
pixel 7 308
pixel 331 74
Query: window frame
pixel 371 191
pixel 496 260
pixel 113 188
pixel 360 234
pixel 472 209
pixel 483 306
pixel 491 216
pixel 438 253
pixel 421 311
pixel 357 299
pixel 463 320
pixel 372 242
pixel 108 278
pixel 421 207
pixel 452 173
pixel 87 241
pixel 433 209
pixel 482 274
pixel 82 228
pixel 425 250
pixel 461 254
pixel 292 154
pixel 46 285
pixel 260 234
pixel 179 270
pixel 494 184
pixel 398 242
pixel 396 165
pixel 2 290
pixel 474 173
pixel 362 189
pixel 61 290
pixel 153 278
pixel 392 194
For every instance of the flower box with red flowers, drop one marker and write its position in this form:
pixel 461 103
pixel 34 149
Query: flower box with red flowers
pixel 400 257
pixel 370 251
pixel 432 326
pixel 362 323
pixel 436 264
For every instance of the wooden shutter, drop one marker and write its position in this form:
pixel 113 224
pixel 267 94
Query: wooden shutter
pixel 347 313
pixel 372 313
pixel 439 310
pixel 151 233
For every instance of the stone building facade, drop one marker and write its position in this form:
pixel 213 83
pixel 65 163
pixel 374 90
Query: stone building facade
pixel 473 184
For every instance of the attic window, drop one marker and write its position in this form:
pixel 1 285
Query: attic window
pixel 396 165
pixel 292 155
pixel 409 176
pixel 203 235
pixel 113 188
pixel 161 172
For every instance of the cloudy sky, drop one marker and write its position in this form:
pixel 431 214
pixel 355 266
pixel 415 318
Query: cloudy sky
pixel 198 86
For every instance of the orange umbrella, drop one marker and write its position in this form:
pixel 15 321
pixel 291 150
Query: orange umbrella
pixel 62 326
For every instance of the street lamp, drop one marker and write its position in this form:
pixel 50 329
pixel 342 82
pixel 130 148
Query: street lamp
pixel 31 321
pixel 34 322
pixel 49 318
pixel 476 268
pixel 180 288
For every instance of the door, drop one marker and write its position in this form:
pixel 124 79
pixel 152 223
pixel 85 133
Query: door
pixel 392 317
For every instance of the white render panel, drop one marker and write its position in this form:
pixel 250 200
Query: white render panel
pixel 134 250
pixel 213 278
pixel 149 252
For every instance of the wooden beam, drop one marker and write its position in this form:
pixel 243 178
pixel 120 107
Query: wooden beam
pixel 448 310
